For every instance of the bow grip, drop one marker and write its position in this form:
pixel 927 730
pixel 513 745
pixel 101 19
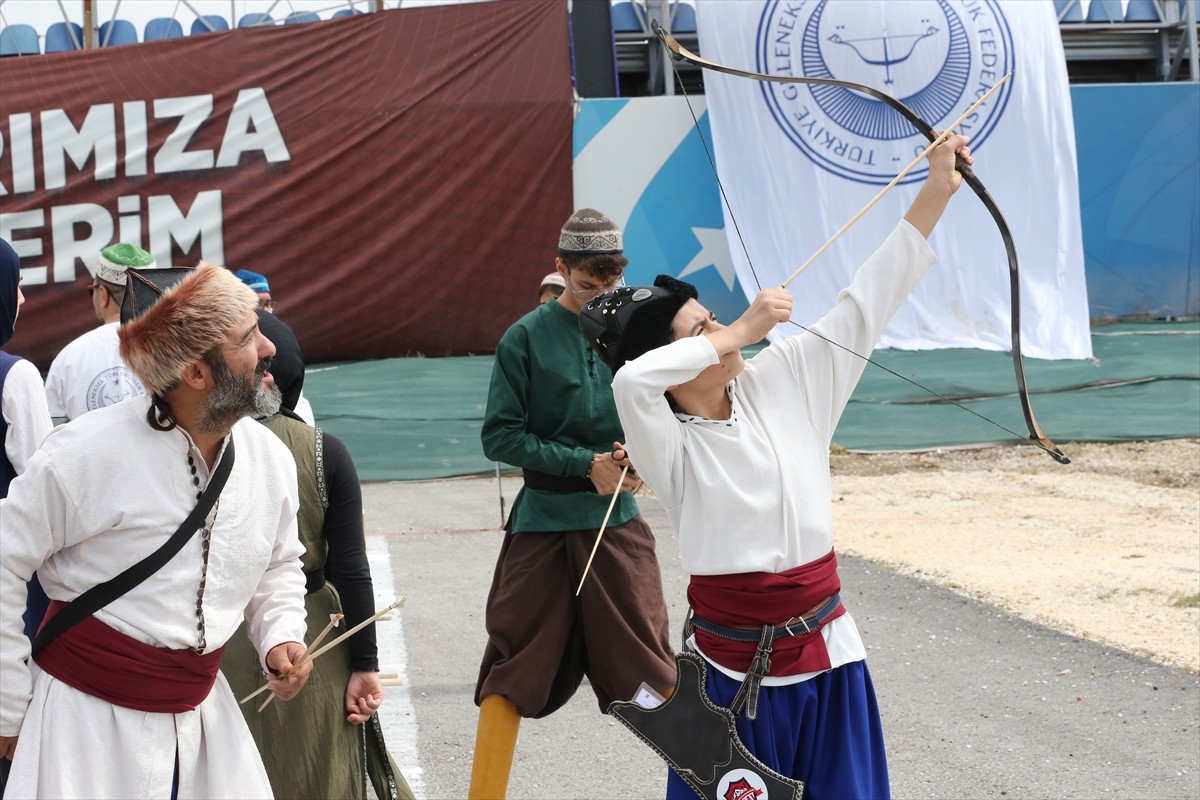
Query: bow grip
pixel 962 168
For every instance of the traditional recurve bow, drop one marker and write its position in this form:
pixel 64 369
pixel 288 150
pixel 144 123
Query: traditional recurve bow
pixel 1035 432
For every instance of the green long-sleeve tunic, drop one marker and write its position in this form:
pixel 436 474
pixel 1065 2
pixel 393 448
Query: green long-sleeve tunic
pixel 550 408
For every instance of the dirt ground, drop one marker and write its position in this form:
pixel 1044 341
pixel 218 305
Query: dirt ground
pixel 1106 548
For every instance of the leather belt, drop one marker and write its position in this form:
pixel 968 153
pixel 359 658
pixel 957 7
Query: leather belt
pixel 563 484
pixel 796 626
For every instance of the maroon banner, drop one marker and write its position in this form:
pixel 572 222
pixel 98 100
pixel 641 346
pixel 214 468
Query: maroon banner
pixel 399 177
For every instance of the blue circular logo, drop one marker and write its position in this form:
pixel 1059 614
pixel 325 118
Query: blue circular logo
pixel 935 56
pixel 112 386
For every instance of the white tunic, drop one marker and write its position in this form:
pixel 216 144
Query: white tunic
pixel 23 404
pixel 105 491
pixel 88 374
pixel 752 493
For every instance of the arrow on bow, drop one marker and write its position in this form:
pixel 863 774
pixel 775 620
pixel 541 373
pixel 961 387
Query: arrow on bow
pixel 1014 275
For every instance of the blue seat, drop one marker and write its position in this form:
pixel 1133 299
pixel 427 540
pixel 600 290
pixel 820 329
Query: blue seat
pixel 683 19
pixel 161 28
pixel 1105 11
pixel 215 22
pixel 64 36
pixel 346 12
pixel 1069 10
pixel 255 20
pixel 116 32
pixel 625 19
pixel 19 40
pixel 1141 11
pixel 298 17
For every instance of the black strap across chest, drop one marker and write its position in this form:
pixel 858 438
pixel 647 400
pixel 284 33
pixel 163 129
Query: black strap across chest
pixel 102 594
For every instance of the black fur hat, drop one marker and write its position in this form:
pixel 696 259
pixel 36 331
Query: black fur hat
pixel 631 320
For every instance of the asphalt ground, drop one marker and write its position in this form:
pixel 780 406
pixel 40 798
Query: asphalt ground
pixel 976 703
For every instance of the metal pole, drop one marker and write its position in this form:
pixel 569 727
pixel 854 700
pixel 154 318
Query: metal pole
pixel 88 37
pixel 1193 58
pixel 668 73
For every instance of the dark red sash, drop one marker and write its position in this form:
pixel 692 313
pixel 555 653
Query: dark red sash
pixel 105 663
pixel 754 599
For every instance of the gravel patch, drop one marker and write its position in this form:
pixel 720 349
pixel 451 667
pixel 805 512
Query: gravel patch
pixel 1106 548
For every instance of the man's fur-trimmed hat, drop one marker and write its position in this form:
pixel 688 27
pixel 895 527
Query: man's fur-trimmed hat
pixel 172 317
pixel 629 321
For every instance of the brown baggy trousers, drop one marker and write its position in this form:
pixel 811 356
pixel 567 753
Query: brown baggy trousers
pixel 542 639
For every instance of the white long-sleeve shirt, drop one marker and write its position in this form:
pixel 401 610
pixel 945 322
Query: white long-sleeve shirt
pixel 88 374
pixel 752 493
pixel 105 491
pixel 23 404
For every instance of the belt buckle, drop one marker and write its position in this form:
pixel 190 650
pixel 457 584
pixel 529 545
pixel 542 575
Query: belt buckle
pixel 787 626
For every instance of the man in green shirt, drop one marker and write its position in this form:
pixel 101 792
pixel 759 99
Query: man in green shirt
pixel 550 411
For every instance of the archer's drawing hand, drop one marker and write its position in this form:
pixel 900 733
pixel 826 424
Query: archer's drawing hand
pixel 770 307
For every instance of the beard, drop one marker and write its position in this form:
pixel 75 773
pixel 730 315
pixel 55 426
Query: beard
pixel 235 396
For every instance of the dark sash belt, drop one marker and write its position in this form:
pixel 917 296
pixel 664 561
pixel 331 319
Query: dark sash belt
pixel 563 484
pixel 105 663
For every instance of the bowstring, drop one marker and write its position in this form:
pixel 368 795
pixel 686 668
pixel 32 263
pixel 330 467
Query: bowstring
pixel 750 263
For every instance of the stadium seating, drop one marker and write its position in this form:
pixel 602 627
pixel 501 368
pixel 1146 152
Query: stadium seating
pixel 1105 11
pixel 117 32
pixel 161 28
pixel 683 18
pixel 1069 10
pixel 19 40
pixel 64 36
pixel 209 23
pixel 255 20
pixel 625 19
pixel 298 17
pixel 1141 11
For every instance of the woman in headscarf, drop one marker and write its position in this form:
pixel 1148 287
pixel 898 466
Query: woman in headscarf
pixel 327 741
pixel 24 416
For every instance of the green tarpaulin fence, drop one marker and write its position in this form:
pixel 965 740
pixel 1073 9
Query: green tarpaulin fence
pixel 419 418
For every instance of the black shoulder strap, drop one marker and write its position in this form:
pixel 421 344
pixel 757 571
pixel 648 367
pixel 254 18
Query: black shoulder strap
pixel 102 594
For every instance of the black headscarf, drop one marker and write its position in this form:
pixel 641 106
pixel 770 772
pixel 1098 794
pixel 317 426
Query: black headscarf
pixel 288 364
pixel 10 277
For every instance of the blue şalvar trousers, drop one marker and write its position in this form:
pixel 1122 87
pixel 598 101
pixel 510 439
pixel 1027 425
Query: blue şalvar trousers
pixel 824 731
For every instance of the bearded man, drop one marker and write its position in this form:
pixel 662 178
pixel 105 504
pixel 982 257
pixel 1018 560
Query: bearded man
pixel 129 702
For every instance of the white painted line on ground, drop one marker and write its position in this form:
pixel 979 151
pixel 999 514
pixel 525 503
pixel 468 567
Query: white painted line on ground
pixel 397 714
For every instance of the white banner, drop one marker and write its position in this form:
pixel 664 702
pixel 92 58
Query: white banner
pixel 798 161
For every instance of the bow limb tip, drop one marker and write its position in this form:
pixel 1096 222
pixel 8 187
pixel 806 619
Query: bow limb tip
pixel 1051 448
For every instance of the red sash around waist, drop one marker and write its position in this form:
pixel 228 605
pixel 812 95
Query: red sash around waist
pixel 103 662
pixel 754 599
